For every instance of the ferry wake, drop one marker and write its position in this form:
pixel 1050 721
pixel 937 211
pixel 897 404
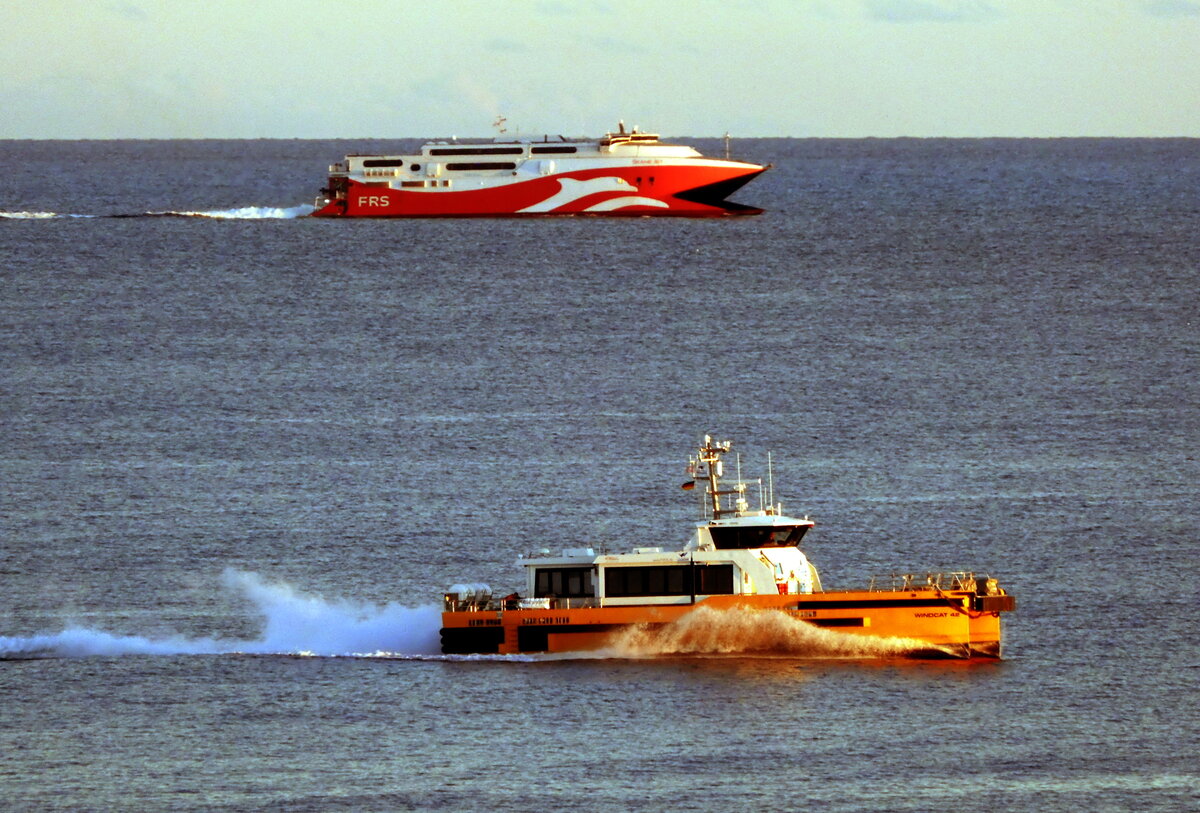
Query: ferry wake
pixel 738 559
pixel 622 174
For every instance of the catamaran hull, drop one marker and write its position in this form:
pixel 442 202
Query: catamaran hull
pixel 938 625
pixel 616 191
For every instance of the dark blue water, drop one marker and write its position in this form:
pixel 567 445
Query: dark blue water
pixel 283 437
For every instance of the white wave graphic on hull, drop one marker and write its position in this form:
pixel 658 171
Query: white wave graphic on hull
pixel 295 624
pixel 572 189
pixel 613 204
pixel 242 213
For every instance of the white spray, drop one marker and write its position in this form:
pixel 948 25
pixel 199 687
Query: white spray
pixel 706 631
pixel 294 623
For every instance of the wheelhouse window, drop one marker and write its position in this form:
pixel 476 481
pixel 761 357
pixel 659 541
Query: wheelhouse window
pixel 668 580
pixel 563 582
pixel 770 536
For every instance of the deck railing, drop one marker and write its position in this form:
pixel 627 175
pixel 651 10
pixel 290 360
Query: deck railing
pixel 900 582
pixel 452 603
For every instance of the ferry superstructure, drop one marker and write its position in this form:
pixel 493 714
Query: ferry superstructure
pixel 622 174
pixel 736 558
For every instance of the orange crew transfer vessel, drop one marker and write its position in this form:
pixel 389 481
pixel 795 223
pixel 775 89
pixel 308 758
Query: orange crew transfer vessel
pixel 738 558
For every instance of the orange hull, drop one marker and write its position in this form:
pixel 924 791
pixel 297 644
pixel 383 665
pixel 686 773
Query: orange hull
pixel 957 624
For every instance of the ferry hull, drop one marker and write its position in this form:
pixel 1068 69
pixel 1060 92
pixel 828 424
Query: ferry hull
pixel 950 625
pixel 618 191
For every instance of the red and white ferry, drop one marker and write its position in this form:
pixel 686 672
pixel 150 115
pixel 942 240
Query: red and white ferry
pixel 622 174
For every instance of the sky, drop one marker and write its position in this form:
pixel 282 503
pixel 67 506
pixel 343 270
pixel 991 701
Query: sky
pixel 798 68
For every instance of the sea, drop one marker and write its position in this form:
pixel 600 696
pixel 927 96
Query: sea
pixel 244 452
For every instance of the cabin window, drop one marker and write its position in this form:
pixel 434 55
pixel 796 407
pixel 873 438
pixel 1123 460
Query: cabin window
pixel 483 165
pixel 572 582
pixel 667 580
pixel 770 536
pixel 551 150
pixel 383 162
pixel 415 168
pixel 714 579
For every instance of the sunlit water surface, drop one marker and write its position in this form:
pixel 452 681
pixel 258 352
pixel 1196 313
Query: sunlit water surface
pixel 244 451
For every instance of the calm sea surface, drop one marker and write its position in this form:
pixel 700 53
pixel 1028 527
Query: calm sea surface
pixel 242 455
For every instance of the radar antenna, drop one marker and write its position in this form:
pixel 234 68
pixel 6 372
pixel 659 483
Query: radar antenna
pixel 709 456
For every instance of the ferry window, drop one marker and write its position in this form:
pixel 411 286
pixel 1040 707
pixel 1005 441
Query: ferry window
pixel 415 168
pixel 477 151
pixel 483 165
pixel 551 150
pixel 382 162
pixel 564 582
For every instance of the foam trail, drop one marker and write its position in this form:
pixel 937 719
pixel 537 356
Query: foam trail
pixel 36 215
pixel 243 213
pixel 706 631
pixel 248 213
pixel 294 624
pixel 75 642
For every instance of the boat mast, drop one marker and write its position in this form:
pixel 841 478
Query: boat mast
pixel 710 455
